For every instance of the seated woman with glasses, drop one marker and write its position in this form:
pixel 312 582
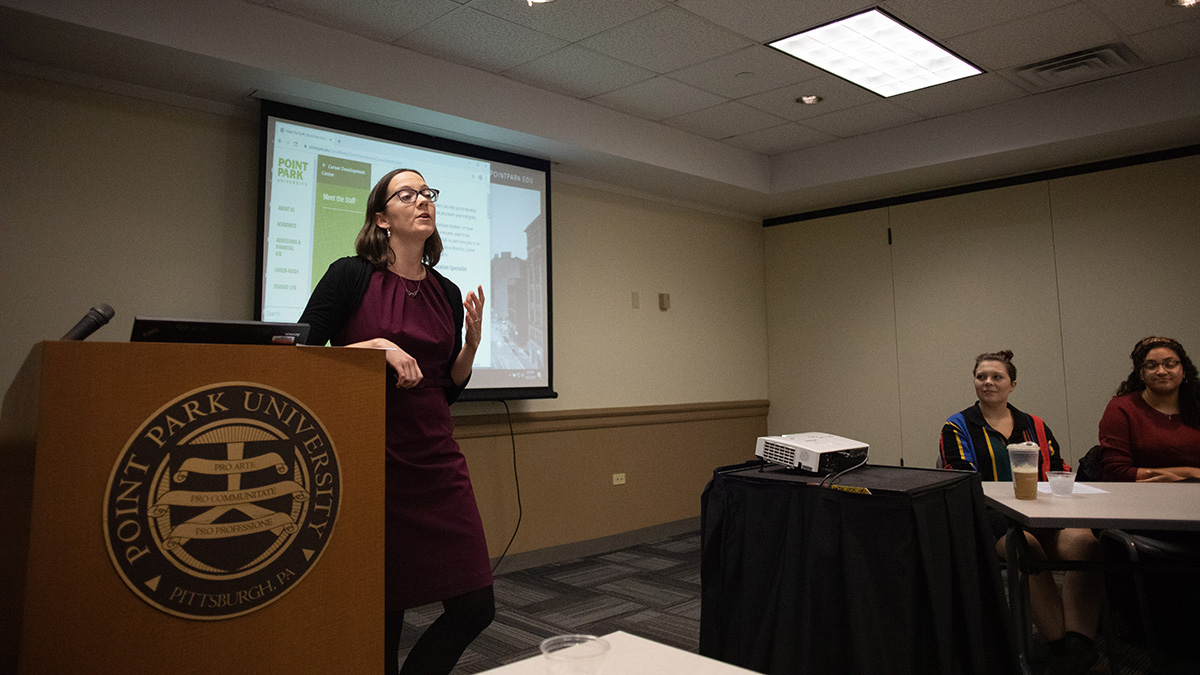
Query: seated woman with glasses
pixel 1150 431
pixel 976 439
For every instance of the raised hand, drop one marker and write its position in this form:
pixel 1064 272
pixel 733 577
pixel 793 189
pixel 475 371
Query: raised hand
pixel 474 317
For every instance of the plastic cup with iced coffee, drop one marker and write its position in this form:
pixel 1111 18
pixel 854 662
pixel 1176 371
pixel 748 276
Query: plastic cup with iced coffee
pixel 1023 458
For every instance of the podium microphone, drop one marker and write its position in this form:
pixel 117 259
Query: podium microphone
pixel 94 319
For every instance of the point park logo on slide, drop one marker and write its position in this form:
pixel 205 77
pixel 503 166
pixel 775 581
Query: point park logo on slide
pixel 222 501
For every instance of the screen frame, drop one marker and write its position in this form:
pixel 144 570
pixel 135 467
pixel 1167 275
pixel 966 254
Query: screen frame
pixel 269 109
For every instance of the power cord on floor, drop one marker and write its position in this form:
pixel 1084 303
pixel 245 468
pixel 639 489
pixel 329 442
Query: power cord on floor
pixel 517 480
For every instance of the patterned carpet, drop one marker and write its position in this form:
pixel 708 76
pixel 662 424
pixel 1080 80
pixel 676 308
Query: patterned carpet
pixel 651 590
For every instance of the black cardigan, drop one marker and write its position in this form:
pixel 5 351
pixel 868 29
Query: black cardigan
pixel 339 293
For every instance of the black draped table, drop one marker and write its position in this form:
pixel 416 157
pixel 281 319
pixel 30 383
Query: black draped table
pixel 899 575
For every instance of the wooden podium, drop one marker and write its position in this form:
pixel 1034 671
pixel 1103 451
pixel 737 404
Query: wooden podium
pixel 192 509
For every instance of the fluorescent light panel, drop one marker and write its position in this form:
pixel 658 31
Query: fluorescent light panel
pixel 876 52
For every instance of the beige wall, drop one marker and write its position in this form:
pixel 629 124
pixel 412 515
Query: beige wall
pixel 565 461
pixel 1068 273
pixel 710 345
pixel 1128 242
pixel 152 208
pixel 832 332
pixel 104 198
pixel 974 273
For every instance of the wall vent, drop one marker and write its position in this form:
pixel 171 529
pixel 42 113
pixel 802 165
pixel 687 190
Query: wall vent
pixel 1079 67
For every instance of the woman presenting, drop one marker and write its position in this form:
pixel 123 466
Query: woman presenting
pixel 976 439
pixel 390 297
pixel 1150 432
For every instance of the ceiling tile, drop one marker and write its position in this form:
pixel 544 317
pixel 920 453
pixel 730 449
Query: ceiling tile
pixel 1169 43
pixel 863 120
pixel 1139 17
pixel 578 72
pixel 779 139
pixel 835 93
pixel 495 44
pixel 571 21
pixel 369 18
pixel 666 40
pixel 1054 33
pixel 968 93
pixel 724 120
pixel 747 71
pixel 766 20
pixel 943 19
pixel 657 98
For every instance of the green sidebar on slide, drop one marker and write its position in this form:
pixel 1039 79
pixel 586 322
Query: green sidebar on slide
pixel 343 186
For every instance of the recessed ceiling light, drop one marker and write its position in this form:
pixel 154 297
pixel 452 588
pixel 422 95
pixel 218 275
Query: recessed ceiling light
pixel 1183 3
pixel 809 99
pixel 537 1
pixel 877 52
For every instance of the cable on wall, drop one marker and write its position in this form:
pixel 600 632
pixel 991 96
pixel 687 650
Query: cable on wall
pixel 1062 339
pixel 895 315
pixel 517 481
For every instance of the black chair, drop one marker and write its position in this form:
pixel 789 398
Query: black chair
pixel 1089 469
pixel 1164 568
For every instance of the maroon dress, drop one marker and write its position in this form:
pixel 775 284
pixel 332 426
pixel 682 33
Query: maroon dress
pixel 435 547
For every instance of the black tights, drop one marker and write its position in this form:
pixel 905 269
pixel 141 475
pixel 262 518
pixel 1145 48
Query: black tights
pixel 438 649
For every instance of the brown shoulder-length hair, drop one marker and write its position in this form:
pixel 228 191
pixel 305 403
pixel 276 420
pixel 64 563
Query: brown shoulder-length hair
pixel 1189 391
pixel 372 240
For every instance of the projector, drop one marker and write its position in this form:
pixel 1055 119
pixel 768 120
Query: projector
pixel 813 451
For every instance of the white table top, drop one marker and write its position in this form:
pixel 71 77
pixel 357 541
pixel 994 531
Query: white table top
pixel 632 655
pixel 1135 506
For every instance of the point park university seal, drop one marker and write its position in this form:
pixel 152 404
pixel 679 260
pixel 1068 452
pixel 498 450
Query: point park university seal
pixel 222 501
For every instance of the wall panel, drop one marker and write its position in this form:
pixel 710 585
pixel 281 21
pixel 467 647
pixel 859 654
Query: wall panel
pixel 1067 272
pixel 831 327
pixel 710 345
pixel 1128 242
pixel 566 459
pixel 975 273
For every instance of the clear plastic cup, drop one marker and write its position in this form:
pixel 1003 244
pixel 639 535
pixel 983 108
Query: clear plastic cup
pixel 1023 458
pixel 574 654
pixel 1062 483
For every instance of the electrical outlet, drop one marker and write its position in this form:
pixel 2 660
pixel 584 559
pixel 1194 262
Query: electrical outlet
pixel 618 479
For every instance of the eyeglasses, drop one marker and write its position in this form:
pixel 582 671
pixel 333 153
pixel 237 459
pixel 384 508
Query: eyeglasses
pixel 409 195
pixel 1151 366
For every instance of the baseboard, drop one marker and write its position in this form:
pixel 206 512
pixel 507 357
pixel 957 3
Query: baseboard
pixel 553 554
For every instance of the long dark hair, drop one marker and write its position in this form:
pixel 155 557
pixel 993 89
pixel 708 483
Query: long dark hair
pixel 1189 391
pixel 372 240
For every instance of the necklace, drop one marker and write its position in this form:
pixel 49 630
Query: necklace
pixel 412 293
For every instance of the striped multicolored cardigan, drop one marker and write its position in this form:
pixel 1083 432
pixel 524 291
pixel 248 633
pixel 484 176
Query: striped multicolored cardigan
pixel 968 443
